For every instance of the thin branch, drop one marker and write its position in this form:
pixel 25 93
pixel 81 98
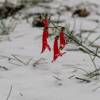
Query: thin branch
pixel 92 59
pixel 95 89
pixel 19 60
pixel 86 72
pixel 29 61
pixel 96 53
pixel 9 93
pixel 83 80
pixel 95 40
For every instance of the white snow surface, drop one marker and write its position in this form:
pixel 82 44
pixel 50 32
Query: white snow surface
pixel 39 82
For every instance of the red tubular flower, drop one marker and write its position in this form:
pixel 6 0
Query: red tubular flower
pixel 56 49
pixel 62 38
pixel 44 41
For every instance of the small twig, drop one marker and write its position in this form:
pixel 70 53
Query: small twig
pixel 94 73
pixel 96 53
pixel 88 37
pixel 3 67
pixel 29 61
pixel 19 59
pixel 94 64
pixel 92 59
pixel 37 62
pixel 9 93
pixel 25 63
pixel 9 58
pixel 85 71
pixel 80 35
pixel 96 88
pixel 15 64
pixel 70 77
pixel 83 80
pixel 95 40
pixel 57 78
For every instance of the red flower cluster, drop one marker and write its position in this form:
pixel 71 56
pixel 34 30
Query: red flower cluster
pixel 56 49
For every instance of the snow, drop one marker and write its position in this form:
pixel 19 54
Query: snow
pixel 15 2
pixel 40 82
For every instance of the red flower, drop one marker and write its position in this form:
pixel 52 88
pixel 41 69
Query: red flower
pixel 62 38
pixel 56 49
pixel 44 40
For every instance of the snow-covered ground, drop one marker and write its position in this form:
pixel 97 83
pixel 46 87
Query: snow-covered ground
pixel 40 79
